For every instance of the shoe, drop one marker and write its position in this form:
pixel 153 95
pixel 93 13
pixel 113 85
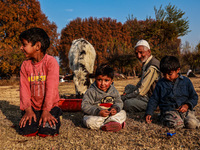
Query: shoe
pixel 123 125
pixel 191 122
pixel 45 135
pixel 112 127
pixel 31 134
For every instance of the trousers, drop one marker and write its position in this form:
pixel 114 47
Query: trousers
pixel 95 122
pixel 47 130
pixel 134 104
pixel 175 119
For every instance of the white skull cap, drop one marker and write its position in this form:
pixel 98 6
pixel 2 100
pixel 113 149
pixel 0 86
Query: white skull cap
pixel 142 43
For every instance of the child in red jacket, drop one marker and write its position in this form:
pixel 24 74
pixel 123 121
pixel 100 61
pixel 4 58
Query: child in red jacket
pixel 39 80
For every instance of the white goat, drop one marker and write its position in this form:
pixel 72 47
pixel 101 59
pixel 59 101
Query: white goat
pixel 81 61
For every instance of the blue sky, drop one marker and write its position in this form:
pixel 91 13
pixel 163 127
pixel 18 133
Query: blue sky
pixel 63 11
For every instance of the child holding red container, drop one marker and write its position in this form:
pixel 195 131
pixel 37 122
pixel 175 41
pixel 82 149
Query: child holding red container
pixel 102 103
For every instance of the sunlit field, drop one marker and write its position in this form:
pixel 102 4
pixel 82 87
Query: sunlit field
pixel 73 135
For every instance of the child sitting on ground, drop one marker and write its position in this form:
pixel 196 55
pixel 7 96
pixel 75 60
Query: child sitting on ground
pixel 39 80
pixel 102 103
pixel 175 96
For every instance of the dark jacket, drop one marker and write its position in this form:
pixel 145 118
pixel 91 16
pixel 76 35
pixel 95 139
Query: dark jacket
pixel 169 96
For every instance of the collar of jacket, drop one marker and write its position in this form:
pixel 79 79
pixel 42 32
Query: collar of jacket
pixel 180 76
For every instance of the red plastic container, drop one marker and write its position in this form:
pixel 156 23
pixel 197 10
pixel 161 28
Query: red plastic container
pixel 70 104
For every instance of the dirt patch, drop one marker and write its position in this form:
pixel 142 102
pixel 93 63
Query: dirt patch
pixel 73 135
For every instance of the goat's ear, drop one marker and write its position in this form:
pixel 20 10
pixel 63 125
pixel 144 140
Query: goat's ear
pixel 92 75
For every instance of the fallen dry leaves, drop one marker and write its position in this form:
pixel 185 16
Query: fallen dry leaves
pixel 73 135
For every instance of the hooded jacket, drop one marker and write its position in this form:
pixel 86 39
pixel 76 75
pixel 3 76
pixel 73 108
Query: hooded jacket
pixel 95 100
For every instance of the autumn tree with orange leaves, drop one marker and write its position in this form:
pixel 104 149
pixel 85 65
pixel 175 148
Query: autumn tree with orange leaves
pixel 114 42
pixel 109 38
pixel 15 17
pixel 161 35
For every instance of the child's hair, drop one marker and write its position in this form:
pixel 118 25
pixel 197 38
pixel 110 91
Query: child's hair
pixel 168 64
pixel 104 70
pixel 34 35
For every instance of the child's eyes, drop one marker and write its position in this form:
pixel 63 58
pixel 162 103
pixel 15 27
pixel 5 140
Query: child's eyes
pixel 23 44
pixel 169 74
pixel 102 80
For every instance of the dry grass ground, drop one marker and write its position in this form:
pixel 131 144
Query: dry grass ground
pixel 73 135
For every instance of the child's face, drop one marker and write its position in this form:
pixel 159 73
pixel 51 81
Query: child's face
pixel 172 76
pixel 103 82
pixel 28 49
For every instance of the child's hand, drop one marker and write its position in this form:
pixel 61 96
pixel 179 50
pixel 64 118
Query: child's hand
pixel 183 108
pixel 113 111
pixel 104 113
pixel 47 117
pixel 148 119
pixel 29 114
